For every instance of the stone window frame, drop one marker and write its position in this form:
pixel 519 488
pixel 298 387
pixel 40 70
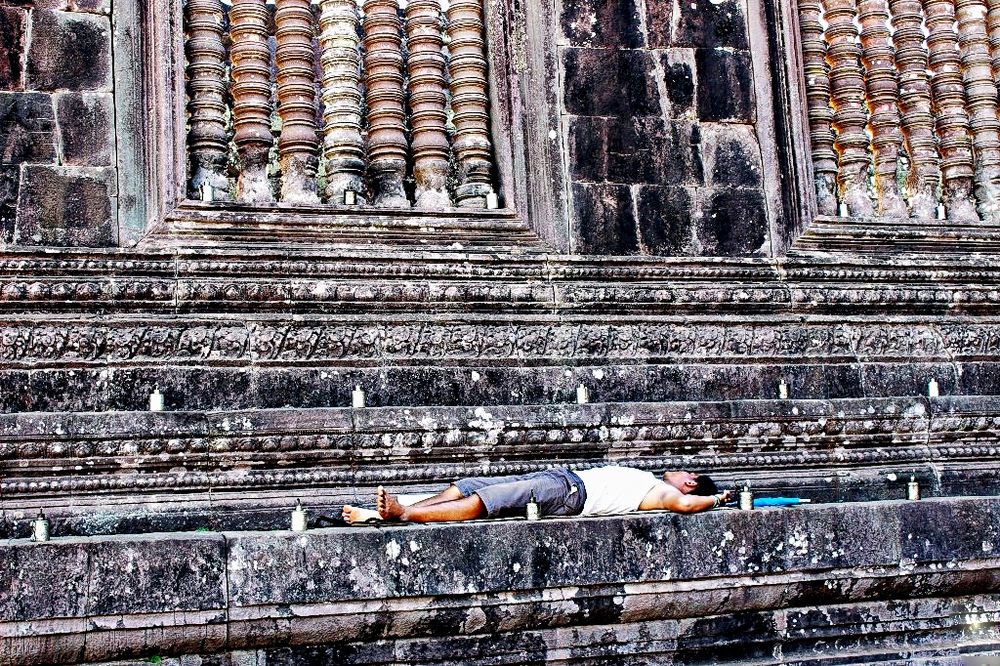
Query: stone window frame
pixel 531 169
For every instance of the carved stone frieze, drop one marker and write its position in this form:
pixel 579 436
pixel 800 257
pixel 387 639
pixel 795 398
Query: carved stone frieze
pixel 262 342
pixel 430 444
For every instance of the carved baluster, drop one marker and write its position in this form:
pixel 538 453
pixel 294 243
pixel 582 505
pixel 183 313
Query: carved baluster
pixel 206 86
pixel 883 96
pixel 993 26
pixel 251 98
pixel 981 101
pixel 818 99
pixel 915 104
pixel 849 117
pixel 386 118
pixel 952 121
pixel 469 101
pixel 341 63
pixel 298 144
pixel 429 139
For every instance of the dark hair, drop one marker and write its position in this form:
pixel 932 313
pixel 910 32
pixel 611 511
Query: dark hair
pixel 705 486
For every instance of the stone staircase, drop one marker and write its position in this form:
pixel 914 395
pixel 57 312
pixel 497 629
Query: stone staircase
pixel 805 376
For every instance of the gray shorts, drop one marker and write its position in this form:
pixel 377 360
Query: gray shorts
pixel 559 492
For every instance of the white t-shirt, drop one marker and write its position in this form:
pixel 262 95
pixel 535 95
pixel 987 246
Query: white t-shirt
pixel 615 490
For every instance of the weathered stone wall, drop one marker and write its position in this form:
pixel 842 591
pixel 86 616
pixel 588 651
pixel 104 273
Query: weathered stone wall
pixel 848 584
pixel 664 155
pixel 57 125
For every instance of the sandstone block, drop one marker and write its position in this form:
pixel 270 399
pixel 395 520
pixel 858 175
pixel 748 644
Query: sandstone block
pixel 732 222
pixel 13 22
pixel 725 85
pixel 665 220
pixel 605 222
pixel 659 22
pixel 66 207
pixel 27 128
pixel 648 150
pixel 610 23
pixel 86 128
pixel 604 82
pixel 90 6
pixel 69 52
pixel 588 148
pixel 732 155
pixel 678 74
pixel 709 25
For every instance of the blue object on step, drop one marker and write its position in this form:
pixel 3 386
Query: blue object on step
pixel 777 501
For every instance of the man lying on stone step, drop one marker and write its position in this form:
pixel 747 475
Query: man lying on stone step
pixel 602 491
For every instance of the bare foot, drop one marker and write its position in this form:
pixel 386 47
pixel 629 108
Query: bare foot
pixel 353 515
pixel 387 504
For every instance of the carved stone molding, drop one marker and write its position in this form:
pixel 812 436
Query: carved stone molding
pixel 206 86
pixel 340 58
pixel 426 66
pixel 298 144
pixel 252 98
pixel 469 101
pixel 387 146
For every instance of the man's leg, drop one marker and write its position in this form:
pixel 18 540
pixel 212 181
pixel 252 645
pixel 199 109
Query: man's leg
pixel 354 514
pixel 464 508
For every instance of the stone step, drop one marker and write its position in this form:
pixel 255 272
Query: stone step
pixel 884 580
pixel 142 471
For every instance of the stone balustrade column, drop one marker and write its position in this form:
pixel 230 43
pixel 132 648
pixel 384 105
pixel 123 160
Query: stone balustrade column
pixel 993 28
pixel 883 98
pixel 386 118
pixel 298 143
pixel 850 118
pixel 469 102
pixel 206 87
pixel 951 118
pixel 429 139
pixel 251 63
pixel 816 72
pixel 915 105
pixel 340 60
pixel 981 101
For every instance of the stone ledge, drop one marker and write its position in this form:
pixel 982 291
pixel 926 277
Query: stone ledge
pixel 95 473
pixel 341 585
pixel 887 236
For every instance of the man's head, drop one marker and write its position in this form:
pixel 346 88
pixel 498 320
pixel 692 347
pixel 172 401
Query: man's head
pixel 691 483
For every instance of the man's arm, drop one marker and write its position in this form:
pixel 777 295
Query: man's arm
pixel 667 497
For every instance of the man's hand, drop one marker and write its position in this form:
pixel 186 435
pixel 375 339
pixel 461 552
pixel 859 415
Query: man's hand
pixel 726 496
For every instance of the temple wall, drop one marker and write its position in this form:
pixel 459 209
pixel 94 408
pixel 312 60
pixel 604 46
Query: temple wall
pixel 57 125
pixel 660 112
pixel 658 241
